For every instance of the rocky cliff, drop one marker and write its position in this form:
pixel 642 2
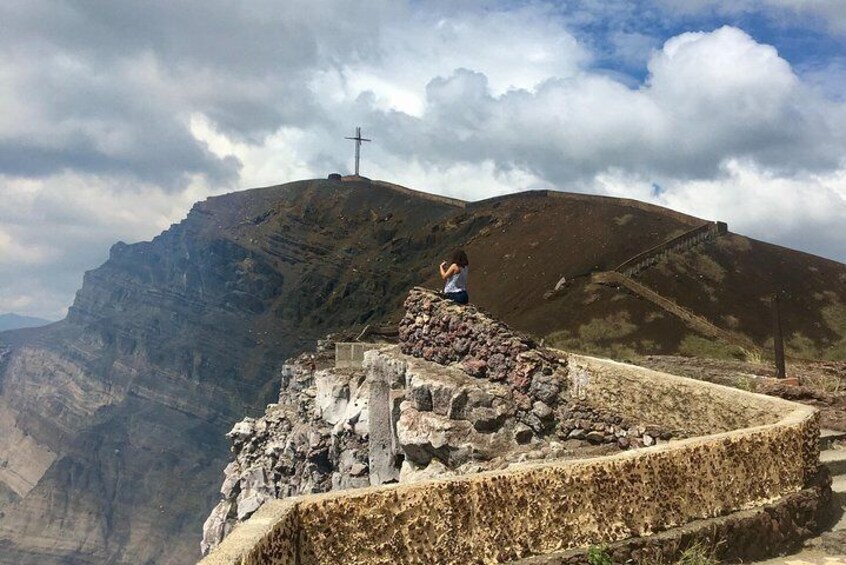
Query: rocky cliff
pixel 113 421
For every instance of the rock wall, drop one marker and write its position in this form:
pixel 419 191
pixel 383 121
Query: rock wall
pixel 476 397
pixel 437 407
pixel 541 509
pixel 314 440
pixel 740 537
pixel 438 330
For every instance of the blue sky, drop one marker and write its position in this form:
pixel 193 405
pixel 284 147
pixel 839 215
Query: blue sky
pixel 118 116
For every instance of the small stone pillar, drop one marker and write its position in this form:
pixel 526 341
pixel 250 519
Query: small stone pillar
pixel 383 374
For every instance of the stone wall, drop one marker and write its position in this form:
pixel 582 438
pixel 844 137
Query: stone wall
pixel 443 332
pixel 545 508
pixel 440 403
pixel 314 440
pixel 694 408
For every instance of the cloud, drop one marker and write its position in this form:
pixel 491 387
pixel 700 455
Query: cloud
pixel 805 212
pixel 709 97
pixel 53 229
pixel 117 117
pixel 832 13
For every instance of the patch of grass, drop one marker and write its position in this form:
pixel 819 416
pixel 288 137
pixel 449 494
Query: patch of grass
pixel 611 327
pixel 834 315
pixel 799 345
pixel 828 384
pixel 709 268
pixel 745 382
pixel 652 316
pixel 752 356
pixel 734 242
pixel 697 554
pixel 565 341
pixel 696 346
pixel 731 321
pixel 677 261
pixel 598 555
pixel 623 220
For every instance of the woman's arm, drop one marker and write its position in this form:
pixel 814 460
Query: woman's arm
pixel 446 273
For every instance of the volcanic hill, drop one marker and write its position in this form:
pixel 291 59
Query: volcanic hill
pixel 112 421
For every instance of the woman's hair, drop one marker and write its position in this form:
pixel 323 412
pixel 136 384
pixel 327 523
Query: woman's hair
pixel 459 257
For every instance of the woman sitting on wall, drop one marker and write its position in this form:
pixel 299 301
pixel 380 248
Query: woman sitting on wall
pixel 456 277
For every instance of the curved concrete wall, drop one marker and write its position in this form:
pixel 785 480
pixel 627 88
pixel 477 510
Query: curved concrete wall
pixel 764 448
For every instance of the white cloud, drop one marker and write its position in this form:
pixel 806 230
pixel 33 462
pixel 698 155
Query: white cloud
pixel 118 117
pixel 53 229
pixel 807 212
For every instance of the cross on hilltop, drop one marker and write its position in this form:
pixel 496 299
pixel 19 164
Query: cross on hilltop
pixel 358 139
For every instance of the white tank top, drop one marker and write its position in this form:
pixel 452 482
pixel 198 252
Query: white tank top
pixel 458 281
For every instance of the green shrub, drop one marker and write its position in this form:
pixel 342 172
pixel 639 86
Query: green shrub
pixel 598 555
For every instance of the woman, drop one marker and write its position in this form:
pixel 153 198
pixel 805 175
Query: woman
pixel 456 277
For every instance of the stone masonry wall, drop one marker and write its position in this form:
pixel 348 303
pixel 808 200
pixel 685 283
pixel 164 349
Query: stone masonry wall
pixel 547 508
pixel 438 330
pixel 465 382
pixel 314 440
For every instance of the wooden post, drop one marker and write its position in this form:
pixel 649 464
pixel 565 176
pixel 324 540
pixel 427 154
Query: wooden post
pixel 778 339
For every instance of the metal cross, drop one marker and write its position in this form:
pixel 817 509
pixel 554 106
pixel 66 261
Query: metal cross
pixel 358 139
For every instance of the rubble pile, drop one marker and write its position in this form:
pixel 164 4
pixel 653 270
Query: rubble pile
pixel 582 422
pixel 314 440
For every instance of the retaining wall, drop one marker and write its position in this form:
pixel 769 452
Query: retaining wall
pixel 546 508
pixel 752 450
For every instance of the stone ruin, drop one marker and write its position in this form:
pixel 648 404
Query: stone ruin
pixel 463 394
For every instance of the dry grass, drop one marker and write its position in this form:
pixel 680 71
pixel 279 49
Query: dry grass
pixel 611 327
pixel 696 346
pixel 709 268
pixel 828 384
pixel 623 220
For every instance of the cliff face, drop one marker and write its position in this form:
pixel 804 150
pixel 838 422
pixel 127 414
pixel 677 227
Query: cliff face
pixel 112 421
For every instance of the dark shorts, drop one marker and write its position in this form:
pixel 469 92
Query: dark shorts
pixel 459 297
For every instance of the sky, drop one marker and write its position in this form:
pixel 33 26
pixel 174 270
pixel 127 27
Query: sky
pixel 115 117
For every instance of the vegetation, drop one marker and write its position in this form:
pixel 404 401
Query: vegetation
pixel 614 326
pixel 623 220
pixel 745 382
pixel 600 336
pixel 598 555
pixel 834 315
pixel 696 346
pixel 708 268
pixel 697 554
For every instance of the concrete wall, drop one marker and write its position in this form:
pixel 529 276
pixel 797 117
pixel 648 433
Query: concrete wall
pixel 540 509
pixel 751 450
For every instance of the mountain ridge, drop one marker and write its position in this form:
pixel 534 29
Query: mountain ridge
pixel 12 321
pixel 171 341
